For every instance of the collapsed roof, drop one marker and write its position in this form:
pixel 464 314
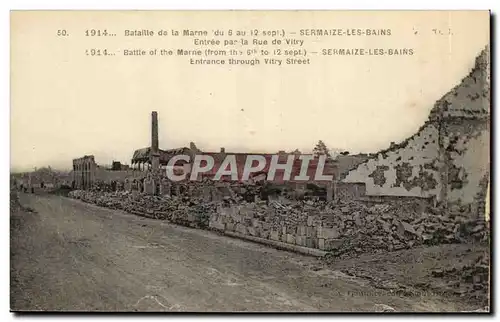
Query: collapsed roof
pixel 143 155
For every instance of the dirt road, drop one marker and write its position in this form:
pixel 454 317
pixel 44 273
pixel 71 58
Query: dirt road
pixel 72 256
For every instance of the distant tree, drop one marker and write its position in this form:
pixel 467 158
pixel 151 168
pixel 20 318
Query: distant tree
pixel 321 149
pixel 296 151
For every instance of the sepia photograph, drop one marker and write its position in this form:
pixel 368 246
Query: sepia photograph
pixel 250 161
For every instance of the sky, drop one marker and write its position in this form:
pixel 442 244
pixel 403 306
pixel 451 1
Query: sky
pixel 65 104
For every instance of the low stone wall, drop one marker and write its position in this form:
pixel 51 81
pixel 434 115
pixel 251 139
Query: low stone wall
pixel 247 220
pixel 351 228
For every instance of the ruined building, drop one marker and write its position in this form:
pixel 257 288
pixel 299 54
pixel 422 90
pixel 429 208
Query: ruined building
pixel 448 158
pixel 84 170
pixel 155 159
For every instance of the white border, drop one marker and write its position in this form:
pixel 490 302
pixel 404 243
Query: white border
pixel 7 5
pixel 255 4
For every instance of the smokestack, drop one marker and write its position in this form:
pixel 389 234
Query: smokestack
pixel 154 132
pixel 154 153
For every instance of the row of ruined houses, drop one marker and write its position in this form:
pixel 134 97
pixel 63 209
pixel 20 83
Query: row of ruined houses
pixel 447 159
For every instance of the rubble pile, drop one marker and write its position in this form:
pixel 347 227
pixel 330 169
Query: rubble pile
pixel 192 213
pixel 471 280
pixel 145 206
pixel 399 225
pixel 477 277
pixel 254 192
pixel 180 210
pixel 288 215
pixel 246 192
pixel 278 214
pixel 345 227
pixel 103 186
pixel 453 227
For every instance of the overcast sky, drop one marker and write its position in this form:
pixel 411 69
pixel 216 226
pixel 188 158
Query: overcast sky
pixel 65 104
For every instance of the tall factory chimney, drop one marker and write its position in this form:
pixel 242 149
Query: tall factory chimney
pixel 155 153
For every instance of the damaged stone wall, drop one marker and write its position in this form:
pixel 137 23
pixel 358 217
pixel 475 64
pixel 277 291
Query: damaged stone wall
pixel 466 110
pixel 468 151
pixel 409 169
pixel 448 157
pixel 83 173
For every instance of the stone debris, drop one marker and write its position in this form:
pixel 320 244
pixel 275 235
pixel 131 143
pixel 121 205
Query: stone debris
pixel 399 225
pixel 184 211
pixel 472 279
pixel 346 228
